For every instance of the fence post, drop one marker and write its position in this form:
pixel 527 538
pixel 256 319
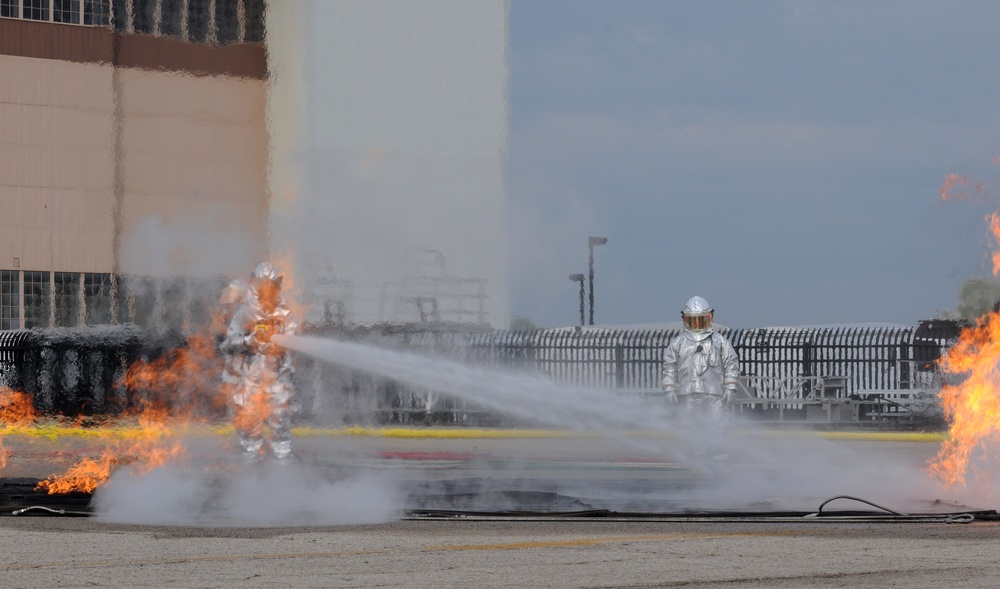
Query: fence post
pixel 904 366
pixel 619 365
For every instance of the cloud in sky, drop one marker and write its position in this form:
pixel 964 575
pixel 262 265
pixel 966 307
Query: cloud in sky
pixel 783 160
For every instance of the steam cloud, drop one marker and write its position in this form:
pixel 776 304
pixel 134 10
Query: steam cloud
pixel 266 495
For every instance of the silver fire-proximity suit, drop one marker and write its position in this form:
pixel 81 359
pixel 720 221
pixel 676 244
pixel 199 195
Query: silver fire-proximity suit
pixel 258 372
pixel 700 366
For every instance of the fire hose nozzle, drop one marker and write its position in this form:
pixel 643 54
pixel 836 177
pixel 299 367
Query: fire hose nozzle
pixel 262 332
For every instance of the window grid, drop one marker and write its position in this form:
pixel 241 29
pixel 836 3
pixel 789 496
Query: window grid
pixel 66 11
pixel 37 299
pixel 97 298
pixel 66 293
pixel 10 8
pixel 9 300
pixel 199 21
pixel 97 12
pixel 35 9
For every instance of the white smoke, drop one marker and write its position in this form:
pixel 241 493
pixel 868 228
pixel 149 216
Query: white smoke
pixel 258 495
pixel 189 246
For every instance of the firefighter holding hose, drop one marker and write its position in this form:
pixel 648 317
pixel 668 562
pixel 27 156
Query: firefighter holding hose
pixel 258 373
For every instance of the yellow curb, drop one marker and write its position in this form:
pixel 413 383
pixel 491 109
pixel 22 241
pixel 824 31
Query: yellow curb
pixel 887 436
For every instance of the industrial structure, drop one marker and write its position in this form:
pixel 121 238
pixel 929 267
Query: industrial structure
pixel 150 149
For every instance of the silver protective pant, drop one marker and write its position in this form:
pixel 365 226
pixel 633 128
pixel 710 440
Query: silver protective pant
pixel 264 418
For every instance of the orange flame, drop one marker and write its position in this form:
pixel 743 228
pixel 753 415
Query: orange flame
pixel 15 407
pixel 150 450
pixel 184 382
pixel 291 287
pixel 972 406
pixel 254 413
pixel 178 388
pixel 959 187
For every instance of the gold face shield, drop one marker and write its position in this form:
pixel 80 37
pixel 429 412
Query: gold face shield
pixel 699 322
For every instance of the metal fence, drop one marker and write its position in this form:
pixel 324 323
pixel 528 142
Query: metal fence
pixel 875 357
pixel 79 370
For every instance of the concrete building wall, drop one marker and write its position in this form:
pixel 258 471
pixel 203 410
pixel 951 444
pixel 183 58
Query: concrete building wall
pixel 194 160
pixel 56 165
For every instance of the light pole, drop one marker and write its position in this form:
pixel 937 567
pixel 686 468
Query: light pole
pixel 579 278
pixel 591 243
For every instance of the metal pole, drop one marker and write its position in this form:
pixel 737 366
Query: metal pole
pixel 591 242
pixel 579 278
pixel 590 266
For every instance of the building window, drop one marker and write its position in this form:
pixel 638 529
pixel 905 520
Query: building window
pixel 9 314
pixel 227 22
pixel 35 9
pixel 253 11
pixel 66 11
pixel 119 13
pixel 66 294
pixel 97 12
pixel 143 301
pixel 10 8
pixel 97 298
pixel 143 15
pixel 37 299
pixel 198 23
pixel 171 17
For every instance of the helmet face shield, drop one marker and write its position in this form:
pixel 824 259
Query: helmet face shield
pixel 697 322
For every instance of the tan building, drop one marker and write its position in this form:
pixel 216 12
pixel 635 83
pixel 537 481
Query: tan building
pixel 133 142
pixel 151 148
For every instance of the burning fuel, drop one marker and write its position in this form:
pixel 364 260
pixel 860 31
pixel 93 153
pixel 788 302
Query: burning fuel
pixel 15 409
pixel 972 403
pixel 971 407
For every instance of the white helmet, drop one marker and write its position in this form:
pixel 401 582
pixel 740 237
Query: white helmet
pixel 697 314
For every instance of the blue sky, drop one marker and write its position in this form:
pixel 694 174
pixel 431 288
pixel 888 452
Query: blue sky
pixel 782 159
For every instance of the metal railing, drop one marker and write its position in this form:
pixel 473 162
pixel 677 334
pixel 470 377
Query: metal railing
pixel 79 370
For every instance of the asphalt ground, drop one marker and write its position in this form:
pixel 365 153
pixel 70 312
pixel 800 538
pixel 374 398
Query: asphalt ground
pixel 366 508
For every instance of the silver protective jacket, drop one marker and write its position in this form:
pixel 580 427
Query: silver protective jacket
pixel 700 363
pixel 257 365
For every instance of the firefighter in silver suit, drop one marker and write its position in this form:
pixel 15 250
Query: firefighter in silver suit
pixel 233 297
pixel 258 370
pixel 700 366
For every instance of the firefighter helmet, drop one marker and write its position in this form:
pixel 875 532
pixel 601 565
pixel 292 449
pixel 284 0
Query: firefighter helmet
pixel 697 314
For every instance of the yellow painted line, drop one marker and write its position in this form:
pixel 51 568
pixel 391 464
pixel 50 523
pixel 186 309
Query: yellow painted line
pixel 126 432
pixel 887 436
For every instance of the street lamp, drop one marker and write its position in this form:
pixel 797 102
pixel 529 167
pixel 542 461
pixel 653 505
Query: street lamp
pixel 591 243
pixel 579 278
